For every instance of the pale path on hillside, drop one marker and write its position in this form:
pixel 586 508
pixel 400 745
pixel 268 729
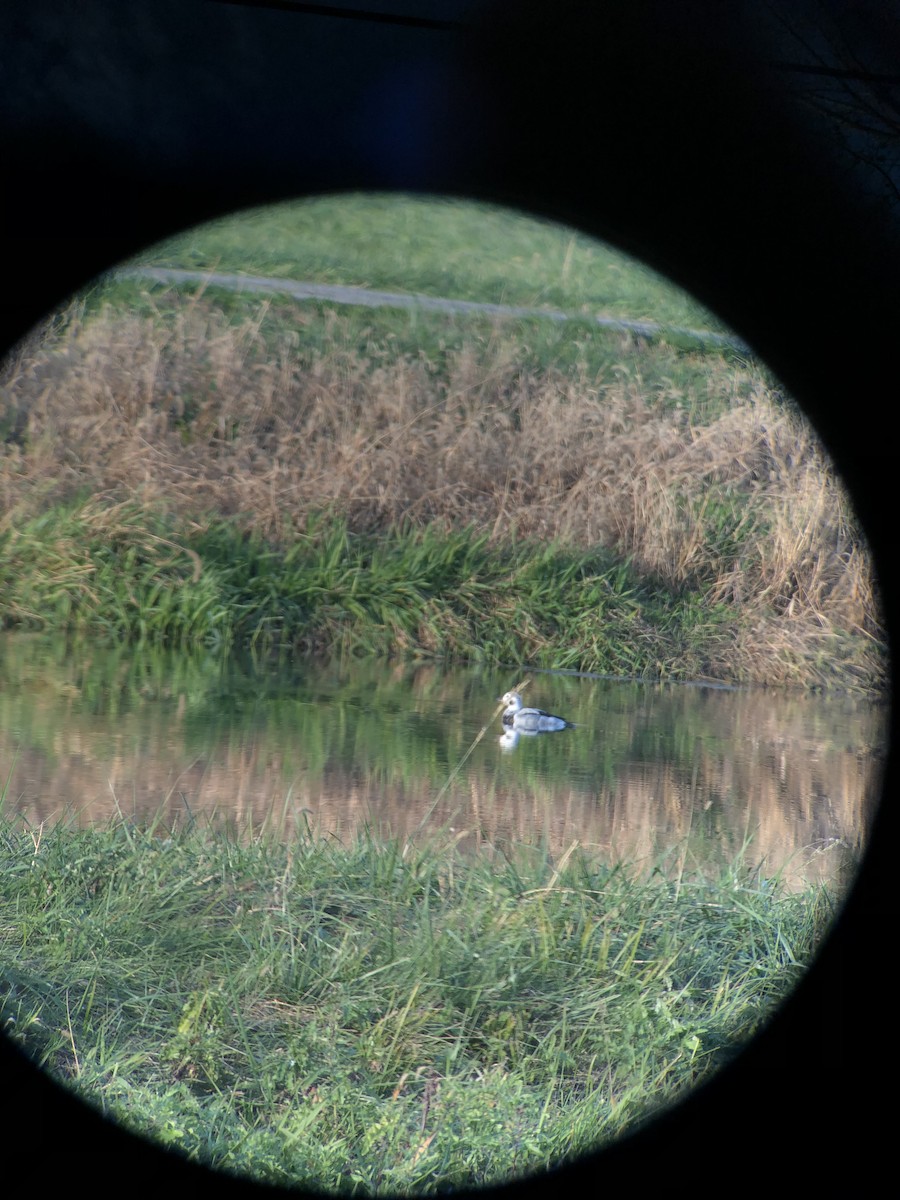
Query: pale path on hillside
pixel 339 294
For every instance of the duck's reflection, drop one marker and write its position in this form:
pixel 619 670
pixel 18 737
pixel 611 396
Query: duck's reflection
pixel 509 739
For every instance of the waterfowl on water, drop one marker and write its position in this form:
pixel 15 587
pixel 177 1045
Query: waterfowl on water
pixel 529 720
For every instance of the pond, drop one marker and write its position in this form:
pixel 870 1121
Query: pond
pixel 656 774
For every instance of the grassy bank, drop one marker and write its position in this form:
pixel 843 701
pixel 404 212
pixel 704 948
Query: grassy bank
pixel 368 1017
pixel 653 508
pixel 571 502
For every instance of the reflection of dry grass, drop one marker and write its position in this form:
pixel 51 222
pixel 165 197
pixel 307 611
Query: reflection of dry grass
pixel 796 789
pixel 640 819
pixel 196 416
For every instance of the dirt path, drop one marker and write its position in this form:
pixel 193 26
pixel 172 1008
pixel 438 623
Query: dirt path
pixel 367 297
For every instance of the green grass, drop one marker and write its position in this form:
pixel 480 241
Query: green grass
pixel 368 1017
pixel 129 574
pixel 123 575
pixel 436 248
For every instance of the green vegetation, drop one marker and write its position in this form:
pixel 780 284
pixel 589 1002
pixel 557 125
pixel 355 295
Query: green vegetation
pixel 121 574
pixel 379 1017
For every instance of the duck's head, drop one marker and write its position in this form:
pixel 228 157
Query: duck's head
pixel 512 700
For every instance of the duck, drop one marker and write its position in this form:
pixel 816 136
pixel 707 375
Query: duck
pixel 529 720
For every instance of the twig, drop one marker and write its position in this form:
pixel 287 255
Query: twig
pixel 485 727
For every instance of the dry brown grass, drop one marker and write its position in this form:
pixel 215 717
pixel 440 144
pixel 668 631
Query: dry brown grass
pixel 197 416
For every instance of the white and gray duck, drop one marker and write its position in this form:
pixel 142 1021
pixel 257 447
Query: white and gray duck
pixel 518 719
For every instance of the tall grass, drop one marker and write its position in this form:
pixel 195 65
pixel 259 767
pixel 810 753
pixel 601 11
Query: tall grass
pixel 694 471
pixel 125 574
pixel 380 1017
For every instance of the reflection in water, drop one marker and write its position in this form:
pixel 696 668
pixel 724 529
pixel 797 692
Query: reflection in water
pixel 343 744
pixel 509 739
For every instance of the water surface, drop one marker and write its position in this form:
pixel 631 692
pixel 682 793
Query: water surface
pixel 681 775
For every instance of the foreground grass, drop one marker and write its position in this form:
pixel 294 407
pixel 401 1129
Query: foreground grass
pixel 373 1017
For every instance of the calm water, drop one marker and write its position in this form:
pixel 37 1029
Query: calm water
pixel 689 772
